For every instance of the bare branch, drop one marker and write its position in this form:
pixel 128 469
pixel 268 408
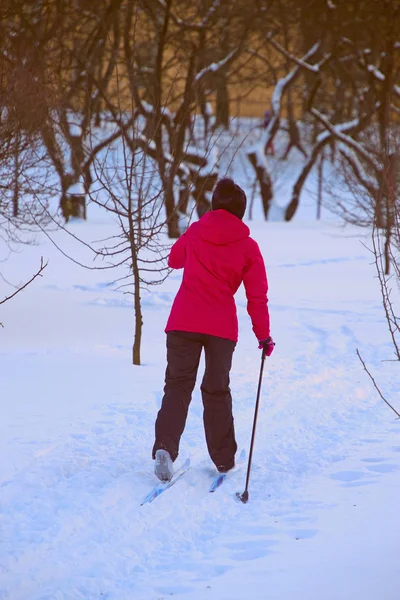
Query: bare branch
pixel 204 23
pixel 38 273
pixel 337 132
pixel 300 62
pixel 375 385
pixel 215 67
pixel 358 171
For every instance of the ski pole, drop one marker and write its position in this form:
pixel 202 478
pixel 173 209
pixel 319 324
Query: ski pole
pixel 245 495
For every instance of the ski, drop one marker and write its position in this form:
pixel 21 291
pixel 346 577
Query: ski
pixel 220 478
pixel 162 487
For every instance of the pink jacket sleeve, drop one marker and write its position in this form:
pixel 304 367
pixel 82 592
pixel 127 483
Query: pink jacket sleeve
pixel 256 286
pixel 177 256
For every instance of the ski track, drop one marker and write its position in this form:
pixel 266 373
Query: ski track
pixel 136 551
pixel 75 508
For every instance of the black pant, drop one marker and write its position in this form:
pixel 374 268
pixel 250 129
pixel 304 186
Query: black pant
pixel 183 357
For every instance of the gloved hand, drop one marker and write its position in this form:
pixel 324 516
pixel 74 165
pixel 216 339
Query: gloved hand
pixel 267 346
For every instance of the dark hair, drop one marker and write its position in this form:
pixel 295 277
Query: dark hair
pixel 229 196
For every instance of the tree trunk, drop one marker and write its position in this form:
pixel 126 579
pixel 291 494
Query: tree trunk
pixel 15 200
pixel 204 185
pixel 298 186
pixel 320 185
pixel 387 251
pixel 222 103
pixel 138 311
pixel 221 86
pixel 384 111
pixel 253 193
pixel 170 208
pixel 265 182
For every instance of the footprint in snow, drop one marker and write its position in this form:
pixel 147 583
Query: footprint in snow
pixel 251 550
pixel 303 534
pixel 296 519
pixel 353 478
pixel 347 476
pixel 79 436
pixel 352 484
pixel 93 288
pixel 386 468
pixel 256 529
pixel 173 590
pixel 98 430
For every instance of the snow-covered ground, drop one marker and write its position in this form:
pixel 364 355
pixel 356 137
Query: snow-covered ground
pixel 76 431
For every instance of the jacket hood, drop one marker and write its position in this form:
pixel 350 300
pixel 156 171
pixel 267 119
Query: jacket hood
pixel 220 227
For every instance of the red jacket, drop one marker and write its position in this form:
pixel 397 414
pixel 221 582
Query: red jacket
pixel 217 255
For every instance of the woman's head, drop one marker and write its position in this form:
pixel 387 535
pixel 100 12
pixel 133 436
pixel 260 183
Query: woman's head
pixel 229 196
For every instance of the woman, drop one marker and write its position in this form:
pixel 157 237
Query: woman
pixel 217 255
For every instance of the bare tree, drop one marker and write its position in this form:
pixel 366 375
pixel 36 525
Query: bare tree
pixel 22 164
pixel 348 85
pixel 171 85
pixel 389 287
pixel 257 153
pixel 128 190
pixel 57 55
